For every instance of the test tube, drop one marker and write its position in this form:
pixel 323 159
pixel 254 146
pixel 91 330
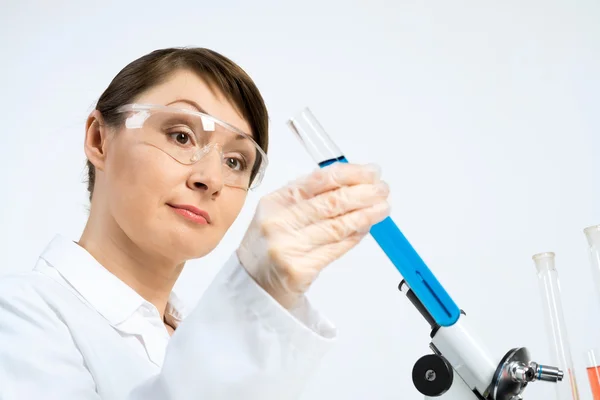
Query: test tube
pixel 315 140
pixel 555 324
pixel 437 304
pixel 592 234
pixel 593 372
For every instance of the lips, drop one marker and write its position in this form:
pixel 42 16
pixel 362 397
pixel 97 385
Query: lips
pixel 192 213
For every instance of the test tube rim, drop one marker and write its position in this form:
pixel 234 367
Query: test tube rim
pixel 591 234
pixel 292 122
pixel 593 356
pixel 544 255
pixel 299 113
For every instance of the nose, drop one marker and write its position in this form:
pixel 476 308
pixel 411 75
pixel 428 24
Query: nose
pixel 207 173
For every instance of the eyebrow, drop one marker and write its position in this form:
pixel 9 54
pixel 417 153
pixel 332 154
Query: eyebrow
pixel 191 103
pixel 202 110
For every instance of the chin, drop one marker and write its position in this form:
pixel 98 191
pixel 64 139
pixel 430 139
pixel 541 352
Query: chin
pixel 187 253
pixel 183 245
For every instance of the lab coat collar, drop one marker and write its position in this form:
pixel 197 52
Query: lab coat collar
pixel 106 293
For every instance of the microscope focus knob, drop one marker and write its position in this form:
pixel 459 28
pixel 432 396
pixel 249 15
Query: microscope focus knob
pixel 432 375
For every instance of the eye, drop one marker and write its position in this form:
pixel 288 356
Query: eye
pixel 235 164
pixel 182 138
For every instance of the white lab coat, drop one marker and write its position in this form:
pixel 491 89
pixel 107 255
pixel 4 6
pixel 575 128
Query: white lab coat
pixel 70 329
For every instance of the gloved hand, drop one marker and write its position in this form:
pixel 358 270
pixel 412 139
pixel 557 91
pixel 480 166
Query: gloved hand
pixel 300 229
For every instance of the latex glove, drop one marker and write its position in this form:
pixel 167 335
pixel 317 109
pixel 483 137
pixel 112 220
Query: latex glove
pixel 300 229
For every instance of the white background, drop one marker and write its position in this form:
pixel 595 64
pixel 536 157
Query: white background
pixel 483 115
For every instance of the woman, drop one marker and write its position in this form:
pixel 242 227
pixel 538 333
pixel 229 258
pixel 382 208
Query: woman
pixel 174 144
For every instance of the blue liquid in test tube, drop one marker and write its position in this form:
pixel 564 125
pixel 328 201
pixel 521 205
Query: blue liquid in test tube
pixel 407 261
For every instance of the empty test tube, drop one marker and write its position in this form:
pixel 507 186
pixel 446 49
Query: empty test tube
pixel 555 324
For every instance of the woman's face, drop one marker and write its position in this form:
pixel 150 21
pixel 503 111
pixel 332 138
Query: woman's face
pixel 141 185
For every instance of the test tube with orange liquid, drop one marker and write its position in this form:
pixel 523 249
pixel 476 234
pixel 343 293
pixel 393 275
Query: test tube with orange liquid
pixel 592 234
pixel 593 372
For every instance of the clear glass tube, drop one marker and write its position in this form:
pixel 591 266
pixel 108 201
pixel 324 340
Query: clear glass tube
pixel 593 371
pixel 592 234
pixel 313 137
pixel 555 324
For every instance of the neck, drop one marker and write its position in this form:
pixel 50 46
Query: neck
pixel 150 275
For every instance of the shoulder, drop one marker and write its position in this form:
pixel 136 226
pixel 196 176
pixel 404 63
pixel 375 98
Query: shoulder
pixel 27 294
pixel 32 317
pixel 19 283
pixel 36 341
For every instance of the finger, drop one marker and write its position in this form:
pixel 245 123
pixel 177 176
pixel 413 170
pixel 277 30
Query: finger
pixel 321 256
pixel 334 251
pixel 335 176
pixel 337 202
pixel 339 228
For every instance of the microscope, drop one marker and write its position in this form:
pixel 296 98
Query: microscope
pixel 459 367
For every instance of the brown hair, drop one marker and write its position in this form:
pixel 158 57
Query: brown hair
pixel 155 67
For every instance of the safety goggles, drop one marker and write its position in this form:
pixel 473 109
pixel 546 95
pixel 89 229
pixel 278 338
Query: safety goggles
pixel 190 136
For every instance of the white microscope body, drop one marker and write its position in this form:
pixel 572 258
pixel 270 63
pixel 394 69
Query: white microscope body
pixel 461 367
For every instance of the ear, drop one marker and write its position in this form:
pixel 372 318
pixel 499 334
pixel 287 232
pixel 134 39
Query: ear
pixel 96 140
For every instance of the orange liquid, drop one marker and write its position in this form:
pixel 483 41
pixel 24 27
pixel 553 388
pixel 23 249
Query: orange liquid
pixel 594 377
